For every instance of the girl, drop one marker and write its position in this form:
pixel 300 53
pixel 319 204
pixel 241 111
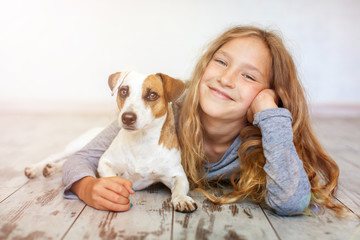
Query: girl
pixel 244 118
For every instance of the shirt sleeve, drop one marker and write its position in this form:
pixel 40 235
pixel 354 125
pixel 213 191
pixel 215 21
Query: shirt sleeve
pixel 288 186
pixel 84 162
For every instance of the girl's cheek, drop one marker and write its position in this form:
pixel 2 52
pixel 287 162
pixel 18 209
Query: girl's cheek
pixel 205 77
pixel 210 72
pixel 252 93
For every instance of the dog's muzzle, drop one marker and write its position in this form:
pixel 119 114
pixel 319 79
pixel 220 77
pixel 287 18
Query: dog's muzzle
pixel 129 119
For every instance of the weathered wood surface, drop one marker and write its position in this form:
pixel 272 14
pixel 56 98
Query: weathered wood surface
pixel 231 221
pixel 341 138
pixel 35 209
pixel 38 211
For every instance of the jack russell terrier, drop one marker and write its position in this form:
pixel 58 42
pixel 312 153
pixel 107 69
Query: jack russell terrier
pixel 146 149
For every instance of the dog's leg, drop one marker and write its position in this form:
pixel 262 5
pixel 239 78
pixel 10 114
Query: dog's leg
pixel 105 168
pixel 179 199
pixel 53 163
pixel 35 170
pixel 52 168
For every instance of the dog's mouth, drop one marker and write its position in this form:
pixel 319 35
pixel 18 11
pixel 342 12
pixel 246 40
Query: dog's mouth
pixel 129 127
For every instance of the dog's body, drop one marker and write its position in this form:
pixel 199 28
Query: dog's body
pixel 146 150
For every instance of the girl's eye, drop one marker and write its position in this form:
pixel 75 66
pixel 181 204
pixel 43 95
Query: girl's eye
pixel 123 92
pixel 152 96
pixel 221 62
pixel 249 77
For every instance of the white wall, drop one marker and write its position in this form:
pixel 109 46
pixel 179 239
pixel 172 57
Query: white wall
pixel 61 52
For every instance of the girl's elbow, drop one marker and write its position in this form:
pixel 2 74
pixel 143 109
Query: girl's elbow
pixel 292 206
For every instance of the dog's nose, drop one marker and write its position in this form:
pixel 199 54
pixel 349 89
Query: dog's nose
pixel 128 118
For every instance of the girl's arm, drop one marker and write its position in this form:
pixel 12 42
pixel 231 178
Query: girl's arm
pixel 288 186
pixel 79 176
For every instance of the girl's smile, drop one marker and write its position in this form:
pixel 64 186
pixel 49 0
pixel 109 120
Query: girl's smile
pixel 220 94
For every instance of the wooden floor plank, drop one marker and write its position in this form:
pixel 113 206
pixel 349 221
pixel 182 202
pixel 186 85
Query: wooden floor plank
pixel 315 227
pixel 341 138
pixel 348 190
pixel 149 218
pixel 37 211
pixel 349 199
pixel 229 221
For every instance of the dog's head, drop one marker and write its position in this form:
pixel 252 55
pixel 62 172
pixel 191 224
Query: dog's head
pixel 142 98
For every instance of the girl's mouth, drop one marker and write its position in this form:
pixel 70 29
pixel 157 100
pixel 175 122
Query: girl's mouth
pixel 220 94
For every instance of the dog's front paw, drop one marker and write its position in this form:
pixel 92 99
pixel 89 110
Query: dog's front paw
pixel 30 172
pixel 184 204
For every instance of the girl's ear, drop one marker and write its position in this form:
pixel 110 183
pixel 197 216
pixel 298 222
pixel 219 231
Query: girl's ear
pixel 114 82
pixel 173 88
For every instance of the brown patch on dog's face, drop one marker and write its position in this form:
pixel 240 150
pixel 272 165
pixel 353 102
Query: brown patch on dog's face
pixel 123 93
pixel 153 95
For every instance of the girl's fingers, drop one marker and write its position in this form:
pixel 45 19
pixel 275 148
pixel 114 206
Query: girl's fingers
pixel 116 186
pixel 265 99
pixel 109 200
pixel 250 116
pixel 114 197
pixel 105 204
pixel 126 183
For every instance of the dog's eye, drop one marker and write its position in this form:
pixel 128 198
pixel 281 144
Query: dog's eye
pixel 152 96
pixel 123 92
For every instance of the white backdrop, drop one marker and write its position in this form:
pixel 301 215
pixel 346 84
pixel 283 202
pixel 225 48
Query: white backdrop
pixel 60 53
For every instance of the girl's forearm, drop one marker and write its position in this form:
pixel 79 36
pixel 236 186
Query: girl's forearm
pixel 287 182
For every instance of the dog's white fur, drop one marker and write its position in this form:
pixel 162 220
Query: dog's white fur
pixel 137 153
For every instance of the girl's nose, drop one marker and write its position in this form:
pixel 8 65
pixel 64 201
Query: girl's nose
pixel 227 78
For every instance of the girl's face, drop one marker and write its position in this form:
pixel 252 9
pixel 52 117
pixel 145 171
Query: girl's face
pixel 238 71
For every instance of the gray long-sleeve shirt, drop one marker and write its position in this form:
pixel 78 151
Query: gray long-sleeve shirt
pixel 288 187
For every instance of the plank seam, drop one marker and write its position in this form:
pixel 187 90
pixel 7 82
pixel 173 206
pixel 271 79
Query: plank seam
pixel 347 207
pixel 14 192
pixel 276 233
pixel 172 224
pixel 72 224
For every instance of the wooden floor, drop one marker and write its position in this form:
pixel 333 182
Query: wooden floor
pixel 35 209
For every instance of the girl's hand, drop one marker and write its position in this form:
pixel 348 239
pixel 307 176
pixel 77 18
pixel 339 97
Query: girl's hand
pixel 265 99
pixel 110 193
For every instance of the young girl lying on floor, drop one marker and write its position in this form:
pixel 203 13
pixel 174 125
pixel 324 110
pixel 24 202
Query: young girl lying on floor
pixel 244 118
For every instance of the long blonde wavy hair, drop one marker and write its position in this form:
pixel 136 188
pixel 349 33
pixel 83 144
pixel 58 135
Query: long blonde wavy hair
pixel 249 181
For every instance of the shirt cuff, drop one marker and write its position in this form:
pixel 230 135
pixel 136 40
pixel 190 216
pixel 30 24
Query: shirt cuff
pixel 270 113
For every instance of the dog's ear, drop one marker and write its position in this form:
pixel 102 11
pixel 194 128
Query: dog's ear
pixel 113 82
pixel 173 88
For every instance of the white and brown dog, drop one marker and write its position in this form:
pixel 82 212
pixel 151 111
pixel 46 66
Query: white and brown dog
pixel 146 150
